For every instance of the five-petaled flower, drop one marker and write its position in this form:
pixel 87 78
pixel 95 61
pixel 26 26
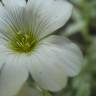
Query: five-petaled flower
pixel 27 46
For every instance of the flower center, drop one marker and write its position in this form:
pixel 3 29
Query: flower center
pixel 23 42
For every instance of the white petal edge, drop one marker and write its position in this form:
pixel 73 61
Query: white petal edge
pixel 12 77
pixel 14 2
pixel 12 20
pixel 2 53
pixel 46 16
pixel 65 51
pixel 1 65
pixel 0 4
pixel 46 75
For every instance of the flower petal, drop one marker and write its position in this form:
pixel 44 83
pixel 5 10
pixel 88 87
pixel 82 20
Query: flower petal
pixel 65 51
pixel 12 77
pixel 1 64
pixel 46 16
pixel 44 71
pixel 0 5
pixel 14 2
pixel 12 20
pixel 54 60
pixel 2 57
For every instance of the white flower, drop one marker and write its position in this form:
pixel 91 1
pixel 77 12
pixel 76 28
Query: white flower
pixel 27 47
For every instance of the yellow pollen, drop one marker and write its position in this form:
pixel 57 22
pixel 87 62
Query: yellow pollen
pixel 22 42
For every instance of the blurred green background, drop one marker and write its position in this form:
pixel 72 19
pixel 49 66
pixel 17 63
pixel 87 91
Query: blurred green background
pixel 81 29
